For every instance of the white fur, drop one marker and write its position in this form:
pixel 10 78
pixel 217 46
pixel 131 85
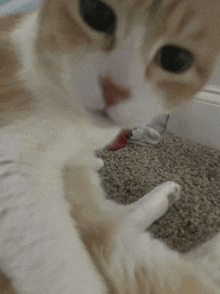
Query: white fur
pixel 207 258
pixel 41 250
pixel 142 105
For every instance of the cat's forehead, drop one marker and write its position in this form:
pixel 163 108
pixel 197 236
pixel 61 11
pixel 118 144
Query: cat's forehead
pixel 170 4
pixel 193 24
pixel 195 19
pixel 181 10
pixel 202 7
pixel 172 14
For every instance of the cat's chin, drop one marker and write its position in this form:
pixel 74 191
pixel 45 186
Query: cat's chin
pixel 102 118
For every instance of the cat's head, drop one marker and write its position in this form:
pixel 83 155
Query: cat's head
pixel 132 58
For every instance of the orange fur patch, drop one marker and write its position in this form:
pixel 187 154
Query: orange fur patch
pixel 60 32
pixel 15 100
pixel 58 29
pixel 8 22
pixel 175 93
pixel 5 287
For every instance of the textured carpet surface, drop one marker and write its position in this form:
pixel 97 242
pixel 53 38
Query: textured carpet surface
pixel 131 172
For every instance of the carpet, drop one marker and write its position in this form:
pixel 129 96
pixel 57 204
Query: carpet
pixel 131 172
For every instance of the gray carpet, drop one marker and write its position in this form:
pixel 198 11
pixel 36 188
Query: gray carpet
pixel 132 171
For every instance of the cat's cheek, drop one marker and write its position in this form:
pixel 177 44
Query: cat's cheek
pixel 92 100
pixel 86 91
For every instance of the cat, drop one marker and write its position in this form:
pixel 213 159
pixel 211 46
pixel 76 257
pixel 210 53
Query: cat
pixel 72 74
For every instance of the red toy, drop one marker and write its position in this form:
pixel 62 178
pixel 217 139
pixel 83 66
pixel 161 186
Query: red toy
pixel 120 141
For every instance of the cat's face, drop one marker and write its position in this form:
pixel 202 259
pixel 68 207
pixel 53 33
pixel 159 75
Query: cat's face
pixel 133 58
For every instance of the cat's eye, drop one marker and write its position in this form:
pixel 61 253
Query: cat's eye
pixel 98 15
pixel 174 59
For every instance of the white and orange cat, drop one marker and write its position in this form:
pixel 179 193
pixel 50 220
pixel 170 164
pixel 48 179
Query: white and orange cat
pixel 72 73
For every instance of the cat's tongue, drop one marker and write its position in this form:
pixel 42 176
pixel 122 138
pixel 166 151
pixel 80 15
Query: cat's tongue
pixel 112 93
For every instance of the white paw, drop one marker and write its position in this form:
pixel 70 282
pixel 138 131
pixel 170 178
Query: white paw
pixel 155 204
pixel 99 164
pixel 173 191
pixel 167 191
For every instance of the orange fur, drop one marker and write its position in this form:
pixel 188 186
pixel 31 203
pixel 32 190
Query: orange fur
pixel 8 22
pixel 176 92
pixel 52 35
pixel 173 19
pixel 60 32
pixel 5 287
pixel 98 230
pixel 15 100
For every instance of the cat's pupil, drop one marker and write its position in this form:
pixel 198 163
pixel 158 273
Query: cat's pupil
pixel 98 15
pixel 174 59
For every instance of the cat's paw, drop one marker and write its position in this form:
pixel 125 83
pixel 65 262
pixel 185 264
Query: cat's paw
pixel 99 163
pixel 155 204
pixel 168 192
pixel 163 196
pixel 174 192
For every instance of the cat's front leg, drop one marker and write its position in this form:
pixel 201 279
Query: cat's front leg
pixel 153 205
pixel 207 258
pixel 40 248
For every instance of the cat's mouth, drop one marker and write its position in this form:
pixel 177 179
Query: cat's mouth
pixel 113 94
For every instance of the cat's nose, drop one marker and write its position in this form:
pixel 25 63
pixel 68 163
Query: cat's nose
pixel 112 92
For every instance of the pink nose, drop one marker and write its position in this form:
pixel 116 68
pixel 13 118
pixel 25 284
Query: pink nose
pixel 113 93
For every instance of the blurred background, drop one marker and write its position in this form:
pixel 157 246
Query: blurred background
pixel 11 6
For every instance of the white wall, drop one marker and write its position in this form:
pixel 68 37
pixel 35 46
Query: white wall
pixel 199 120
pixel 17 5
pixel 214 82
